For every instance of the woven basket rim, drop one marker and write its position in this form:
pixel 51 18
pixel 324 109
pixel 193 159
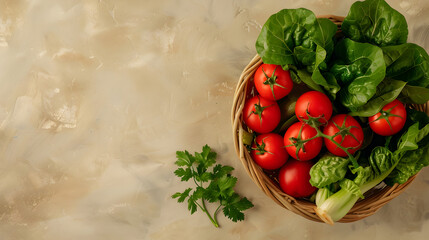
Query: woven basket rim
pixel 363 208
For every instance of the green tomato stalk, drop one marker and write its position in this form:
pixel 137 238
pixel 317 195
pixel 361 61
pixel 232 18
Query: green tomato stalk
pixel 315 123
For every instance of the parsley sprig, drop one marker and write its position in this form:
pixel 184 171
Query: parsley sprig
pixel 214 184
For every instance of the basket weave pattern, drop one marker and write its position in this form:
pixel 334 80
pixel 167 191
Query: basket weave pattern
pixel 374 199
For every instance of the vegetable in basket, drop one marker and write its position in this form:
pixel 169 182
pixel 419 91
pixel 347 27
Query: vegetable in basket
pixel 410 155
pixel 369 73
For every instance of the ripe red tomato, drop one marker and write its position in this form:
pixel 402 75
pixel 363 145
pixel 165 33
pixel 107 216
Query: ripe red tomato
pixel 349 134
pixel 316 103
pixel 268 151
pixel 390 120
pixel 272 82
pixel 294 178
pixel 309 149
pixel 261 115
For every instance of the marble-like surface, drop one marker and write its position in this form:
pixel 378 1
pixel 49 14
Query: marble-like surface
pixel 97 95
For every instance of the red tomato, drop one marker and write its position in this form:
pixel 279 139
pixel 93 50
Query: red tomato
pixel 390 120
pixel 352 139
pixel 272 82
pixel 268 151
pixel 316 104
pixel 310 149
pixel 294 178
pixel 261 115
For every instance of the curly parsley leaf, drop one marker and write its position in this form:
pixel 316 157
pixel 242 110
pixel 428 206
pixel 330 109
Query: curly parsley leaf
pixel 202 169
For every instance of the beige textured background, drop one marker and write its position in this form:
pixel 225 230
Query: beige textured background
pixel 97 95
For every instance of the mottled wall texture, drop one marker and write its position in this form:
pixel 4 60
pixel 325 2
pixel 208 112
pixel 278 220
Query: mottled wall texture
pixel 97 95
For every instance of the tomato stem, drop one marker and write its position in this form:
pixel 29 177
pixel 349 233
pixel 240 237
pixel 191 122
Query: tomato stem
pixel 315 123
pixel 260 148
pixel 272 81
pixel 259 110
pixel 386 114
pixel 352 159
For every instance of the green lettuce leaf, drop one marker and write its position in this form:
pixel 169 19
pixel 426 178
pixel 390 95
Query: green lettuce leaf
pixel 374 21
pixel 407 62
pixel 387 91
pixel 329 169
pixel 286 38
pixel 291 37
pixel 414 94
pixel 413 152
pixel 359 68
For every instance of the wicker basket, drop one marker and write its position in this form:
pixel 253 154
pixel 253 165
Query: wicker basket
pixel 374 199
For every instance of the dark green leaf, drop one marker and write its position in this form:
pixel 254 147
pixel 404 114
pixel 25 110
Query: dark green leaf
pixel 204 177
pixel 234 205
pixel 220 171
pixel 416 116
pixel 407 141
pixel 368 136
pixel 184 174
pixel 325 46
pixel 328 81
pixel 206 158
pixel 176 195
pixel 414 94
pixel 212 193
pixel 413 150
pixel 324 37
pixel 226 185
pixel 233 213
pixel 291 36
pixel 387 91
pixel 411 163
pixel 294 76
pixel 407 62
pixel 413 117
pixel 243 204
pixel 199 193
pixel 184 158
pixel 359 68
pixel 374 21
pixel 381 160
pixel 192 206
pixel 305 77
pixel 283 32
pixel 182 196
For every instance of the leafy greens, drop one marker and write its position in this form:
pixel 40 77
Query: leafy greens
pixel 359 67
pixel 375 22
pixel 367 67
pixel 220 187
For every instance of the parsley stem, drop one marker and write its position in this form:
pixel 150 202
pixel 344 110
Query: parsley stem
pixel 212 219
pixel 193 176
pixel 217 209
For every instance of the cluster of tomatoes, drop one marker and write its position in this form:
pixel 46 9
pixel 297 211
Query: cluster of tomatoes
pixel 341 134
